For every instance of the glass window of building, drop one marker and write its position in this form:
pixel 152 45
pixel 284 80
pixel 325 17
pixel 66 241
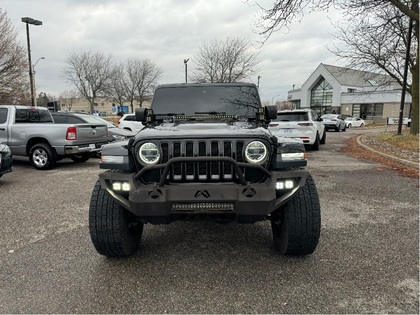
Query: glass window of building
pixel 321 96
pixel 376 109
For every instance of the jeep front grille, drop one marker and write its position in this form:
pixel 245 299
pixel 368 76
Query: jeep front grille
pixel 207 171
pixel 202 171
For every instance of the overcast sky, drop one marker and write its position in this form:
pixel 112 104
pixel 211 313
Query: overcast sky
pixel 167 32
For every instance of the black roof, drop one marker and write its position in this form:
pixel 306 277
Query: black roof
pixel 172 85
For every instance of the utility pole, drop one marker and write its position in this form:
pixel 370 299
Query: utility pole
pixel 404 87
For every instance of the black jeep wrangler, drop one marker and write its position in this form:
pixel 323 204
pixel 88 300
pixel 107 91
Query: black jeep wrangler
pixel 204 153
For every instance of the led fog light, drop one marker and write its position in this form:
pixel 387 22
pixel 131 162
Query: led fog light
pixel 121 186
pixel 285 184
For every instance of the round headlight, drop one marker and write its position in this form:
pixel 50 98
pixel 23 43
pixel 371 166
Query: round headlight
pixel 149 154
pixel 255 152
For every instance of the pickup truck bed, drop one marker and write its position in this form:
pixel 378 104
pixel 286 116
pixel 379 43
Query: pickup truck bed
pixel 30 131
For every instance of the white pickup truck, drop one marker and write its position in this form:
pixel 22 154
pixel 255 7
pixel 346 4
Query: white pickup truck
pixel 30 131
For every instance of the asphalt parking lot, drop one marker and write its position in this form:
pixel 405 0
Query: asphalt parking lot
pixel 367 260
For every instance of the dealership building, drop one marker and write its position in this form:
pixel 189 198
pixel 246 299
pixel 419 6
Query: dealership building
pixel 371 96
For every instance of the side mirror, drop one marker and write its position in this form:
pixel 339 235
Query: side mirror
pixel 140 114
pixel 271 112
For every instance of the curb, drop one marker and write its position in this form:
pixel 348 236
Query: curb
pixel 402 161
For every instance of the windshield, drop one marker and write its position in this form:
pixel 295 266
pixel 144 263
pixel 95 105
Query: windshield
pixel 201 99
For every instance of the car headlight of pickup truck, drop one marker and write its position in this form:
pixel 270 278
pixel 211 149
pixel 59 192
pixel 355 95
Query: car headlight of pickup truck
pixel 149 154
pixel 256 152
pixel 118 138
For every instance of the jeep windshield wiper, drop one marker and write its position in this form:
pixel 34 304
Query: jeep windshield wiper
pixel 210 113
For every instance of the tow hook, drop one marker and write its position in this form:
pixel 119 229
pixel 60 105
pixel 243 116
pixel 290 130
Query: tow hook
pixel 155 192
pixel 249 191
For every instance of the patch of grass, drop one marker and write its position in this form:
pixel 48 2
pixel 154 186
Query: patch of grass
pixel 405 141
pixel 113 119
pixel 374 125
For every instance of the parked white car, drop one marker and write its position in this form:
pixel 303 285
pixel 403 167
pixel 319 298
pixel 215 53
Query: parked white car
pixel 303 124
pixel 128 122
pixel 354 122
pixel 334 121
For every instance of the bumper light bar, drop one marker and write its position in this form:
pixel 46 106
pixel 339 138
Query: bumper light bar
pixel 203 206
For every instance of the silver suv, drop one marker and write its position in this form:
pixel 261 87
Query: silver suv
pixel 303 124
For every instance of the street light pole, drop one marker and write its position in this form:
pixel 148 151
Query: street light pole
pixel 28 21
pixel 186 71
pixel 34 76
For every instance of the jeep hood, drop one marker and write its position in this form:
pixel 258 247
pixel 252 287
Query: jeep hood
pixel 204 130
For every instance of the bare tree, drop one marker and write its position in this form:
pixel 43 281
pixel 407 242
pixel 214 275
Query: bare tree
pixel 231 60
pixel 382 46
pixel 131 81
pixel 14 85
pixel 284 12
pixel 115 86
pixel 149 74
pixel 67 99
pixel 134 81
pixel 42 99
pixel 89 72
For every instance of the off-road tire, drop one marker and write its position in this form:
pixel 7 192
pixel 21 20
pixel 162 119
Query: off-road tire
pixel 42 156
pixel 297 225
pixel 315 145
pixel 80 158
pixel 324 137
pixel 113 230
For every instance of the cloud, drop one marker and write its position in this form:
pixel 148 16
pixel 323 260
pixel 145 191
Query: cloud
pixel 166 32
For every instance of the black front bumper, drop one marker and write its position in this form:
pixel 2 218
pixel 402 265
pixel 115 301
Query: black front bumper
pixel 162 199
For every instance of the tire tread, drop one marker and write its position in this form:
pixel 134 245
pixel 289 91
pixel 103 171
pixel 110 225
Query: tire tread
pixel 108 226
pixel 302 221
